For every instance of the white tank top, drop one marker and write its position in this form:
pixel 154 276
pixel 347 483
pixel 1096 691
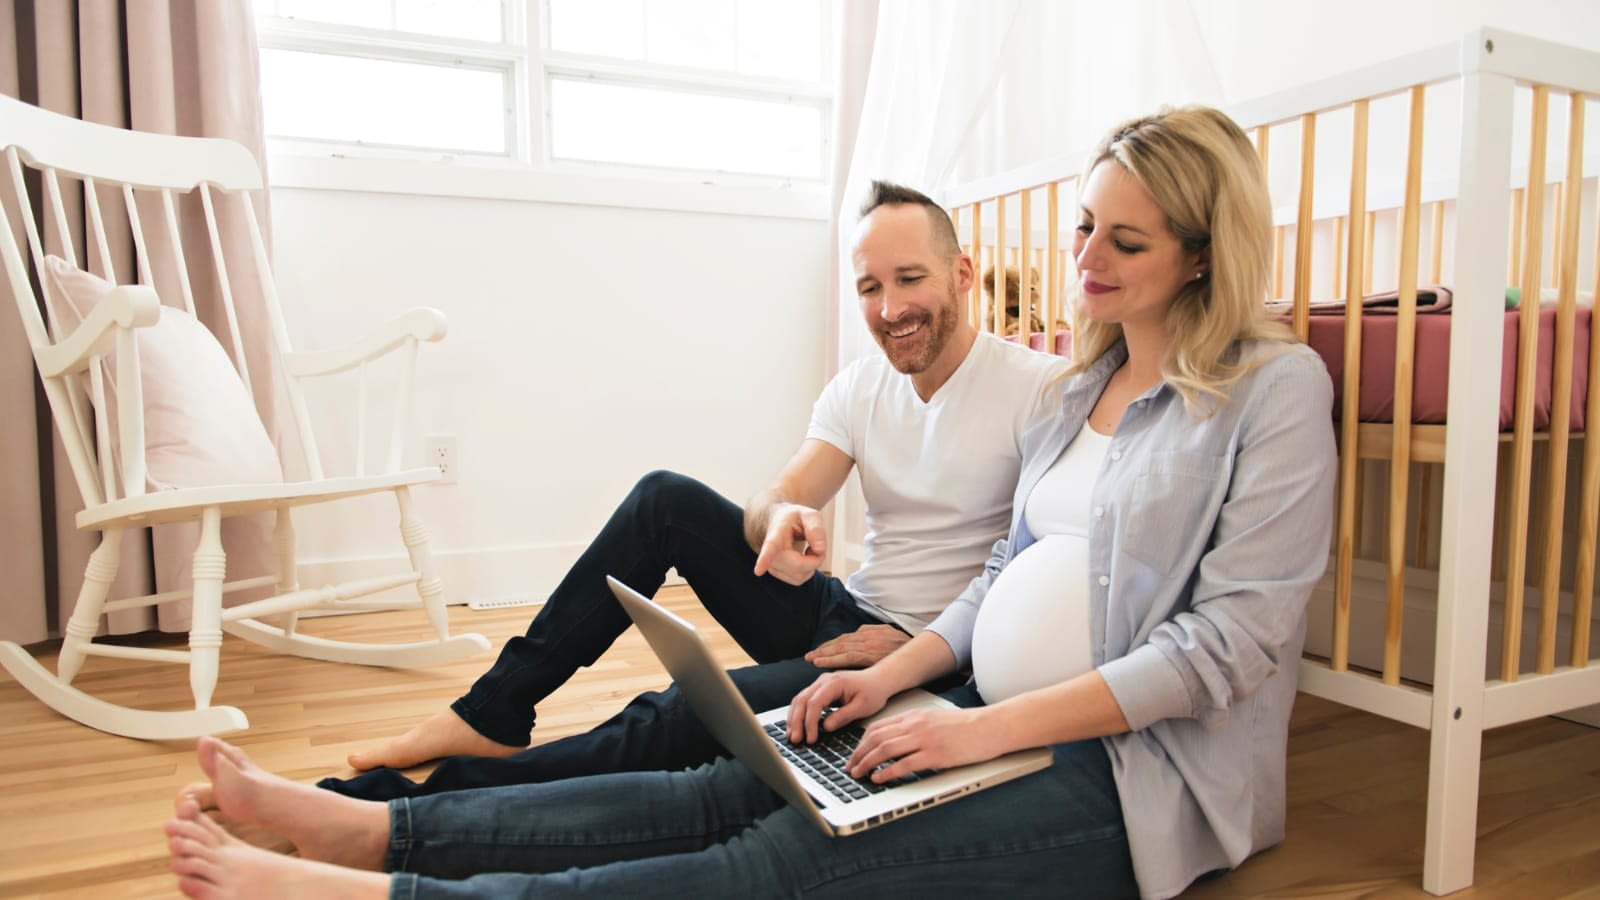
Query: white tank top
pixel 1033 627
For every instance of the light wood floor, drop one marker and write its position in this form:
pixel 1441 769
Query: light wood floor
pixel 81 812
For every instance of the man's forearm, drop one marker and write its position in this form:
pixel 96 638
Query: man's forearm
pixel 757 513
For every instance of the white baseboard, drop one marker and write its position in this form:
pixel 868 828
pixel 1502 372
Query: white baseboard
pixel 487 577
pixel 1367 614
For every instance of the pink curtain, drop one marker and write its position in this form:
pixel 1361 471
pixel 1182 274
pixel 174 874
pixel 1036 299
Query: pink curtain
pixel 187 67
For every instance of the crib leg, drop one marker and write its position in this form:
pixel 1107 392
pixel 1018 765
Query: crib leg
pixel 1461 640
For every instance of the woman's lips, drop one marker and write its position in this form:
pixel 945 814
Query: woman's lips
pixel 1095 287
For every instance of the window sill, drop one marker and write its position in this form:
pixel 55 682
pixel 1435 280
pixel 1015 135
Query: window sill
pixel 443 178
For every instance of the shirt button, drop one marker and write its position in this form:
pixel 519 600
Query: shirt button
pixel 1116 454
pixel 1099 511
pixel 1104 581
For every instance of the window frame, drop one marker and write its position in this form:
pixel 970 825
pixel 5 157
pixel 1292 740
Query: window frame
pixel 529 66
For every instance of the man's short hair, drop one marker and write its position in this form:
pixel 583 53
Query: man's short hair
pixel 886 193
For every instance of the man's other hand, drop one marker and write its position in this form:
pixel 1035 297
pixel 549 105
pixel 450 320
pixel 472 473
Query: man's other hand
pixel 858 649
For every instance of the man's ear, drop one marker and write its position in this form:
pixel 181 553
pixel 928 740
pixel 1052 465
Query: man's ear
pixel 963 274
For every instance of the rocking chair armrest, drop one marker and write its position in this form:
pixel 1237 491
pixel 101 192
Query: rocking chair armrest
pixel 422 324
pixel 125 306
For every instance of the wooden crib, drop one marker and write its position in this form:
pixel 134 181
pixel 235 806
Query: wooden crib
pixel 1475 515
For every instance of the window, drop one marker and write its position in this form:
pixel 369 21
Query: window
pixel 732 87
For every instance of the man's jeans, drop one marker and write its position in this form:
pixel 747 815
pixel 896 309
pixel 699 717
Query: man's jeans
pixel 718 831
pixel 666 521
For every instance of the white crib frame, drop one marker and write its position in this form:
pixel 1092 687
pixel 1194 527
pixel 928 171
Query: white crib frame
pixel 1489 64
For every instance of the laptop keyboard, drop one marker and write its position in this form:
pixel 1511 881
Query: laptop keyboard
pixel 826 760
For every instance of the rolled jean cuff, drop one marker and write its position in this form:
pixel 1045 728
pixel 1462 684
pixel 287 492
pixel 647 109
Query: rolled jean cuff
pixel 403 886
pixel 397 858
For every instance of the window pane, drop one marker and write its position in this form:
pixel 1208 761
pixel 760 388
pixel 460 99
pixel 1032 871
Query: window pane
pixel 365 13
pixel 382 102
pixel 698 33
pixel 783 40
pixel 752 37
pixel 475 19
pixel 644 126
pixel 602 27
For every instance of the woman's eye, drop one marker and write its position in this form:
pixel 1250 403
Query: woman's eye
pixel 1127 248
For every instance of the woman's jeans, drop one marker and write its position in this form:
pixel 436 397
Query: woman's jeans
pixel 718 831
pixel 667 521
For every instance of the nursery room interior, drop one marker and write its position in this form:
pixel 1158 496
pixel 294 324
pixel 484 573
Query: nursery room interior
pixel 455 274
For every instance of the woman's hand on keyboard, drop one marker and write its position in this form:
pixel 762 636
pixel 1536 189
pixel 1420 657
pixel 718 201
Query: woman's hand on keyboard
pixel 855 693
pixel 922 740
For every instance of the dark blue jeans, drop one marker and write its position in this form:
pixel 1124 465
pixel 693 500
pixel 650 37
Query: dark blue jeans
pixel 718 831
pixel 666 521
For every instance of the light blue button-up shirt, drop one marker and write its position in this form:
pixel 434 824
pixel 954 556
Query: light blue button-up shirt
pixel 1213 533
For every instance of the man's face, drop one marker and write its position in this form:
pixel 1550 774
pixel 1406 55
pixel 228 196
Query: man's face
pixel 909 290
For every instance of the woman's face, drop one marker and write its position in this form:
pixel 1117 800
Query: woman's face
pixel 1130 264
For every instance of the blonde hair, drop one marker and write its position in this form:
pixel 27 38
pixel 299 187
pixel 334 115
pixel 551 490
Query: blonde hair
pixel 1203 172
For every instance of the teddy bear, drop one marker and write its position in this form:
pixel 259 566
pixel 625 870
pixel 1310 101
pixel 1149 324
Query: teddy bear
pixel 1013 300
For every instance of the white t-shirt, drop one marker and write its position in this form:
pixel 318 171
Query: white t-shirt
pixel 937 476
pixel 1032 630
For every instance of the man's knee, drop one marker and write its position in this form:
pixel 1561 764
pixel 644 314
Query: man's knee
pixel 663 497
pixel 664 486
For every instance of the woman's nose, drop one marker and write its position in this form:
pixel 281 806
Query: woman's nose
pixel 1090 253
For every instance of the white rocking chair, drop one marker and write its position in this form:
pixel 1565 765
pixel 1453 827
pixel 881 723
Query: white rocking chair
pixel 120 328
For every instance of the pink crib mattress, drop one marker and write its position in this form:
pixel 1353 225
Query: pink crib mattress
pixel 1430 392
pixel 1036 341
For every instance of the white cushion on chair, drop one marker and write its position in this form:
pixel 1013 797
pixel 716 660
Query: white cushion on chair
pixel 200 425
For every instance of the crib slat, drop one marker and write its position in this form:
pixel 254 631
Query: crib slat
pixel 1366 271
pixel 1405 348
pixel 1302 237
pixel 1514 265
pixel 1279 234
pixel 1336 271
pixel 1589 508
pixel 1553 263
pixel 1052 254
pixel 1561 395
pixel 1025 271
pixel 1436 244
pixel 997 315
pixel 1522 430
pixel 1349 415
pixel 975 300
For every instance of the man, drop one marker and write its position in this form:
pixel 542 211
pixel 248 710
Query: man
pixel 932 425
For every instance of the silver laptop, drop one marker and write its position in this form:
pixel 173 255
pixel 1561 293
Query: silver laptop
pixel 835 803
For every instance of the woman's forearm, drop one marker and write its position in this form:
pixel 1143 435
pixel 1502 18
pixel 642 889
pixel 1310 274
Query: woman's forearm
pixel 919 661
pixel 1073 710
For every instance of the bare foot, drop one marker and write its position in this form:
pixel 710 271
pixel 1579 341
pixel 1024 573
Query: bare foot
pixel 210 863
pixel 441 734
pixel 201 794
pixel 323 825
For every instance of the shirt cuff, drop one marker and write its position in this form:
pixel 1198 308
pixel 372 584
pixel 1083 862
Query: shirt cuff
pixel 1147 687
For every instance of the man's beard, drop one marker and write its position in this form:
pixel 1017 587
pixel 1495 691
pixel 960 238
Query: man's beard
pixel 916 355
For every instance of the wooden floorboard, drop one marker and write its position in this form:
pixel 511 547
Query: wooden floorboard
pixel 81 811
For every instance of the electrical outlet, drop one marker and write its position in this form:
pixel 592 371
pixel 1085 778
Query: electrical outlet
pixel 440 450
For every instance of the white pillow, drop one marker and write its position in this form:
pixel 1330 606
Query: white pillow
pixel 200 426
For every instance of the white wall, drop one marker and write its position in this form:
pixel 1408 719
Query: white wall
pixel 587 345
